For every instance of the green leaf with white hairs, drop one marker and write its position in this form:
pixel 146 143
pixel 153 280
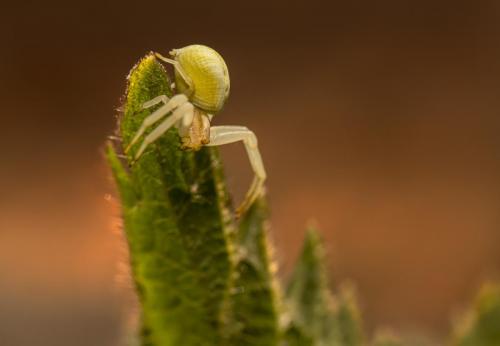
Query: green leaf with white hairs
pixel 177 223
pixel 316 317
pixel 309 302
pixel 255 295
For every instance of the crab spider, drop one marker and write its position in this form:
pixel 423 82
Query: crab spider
pixel 202 83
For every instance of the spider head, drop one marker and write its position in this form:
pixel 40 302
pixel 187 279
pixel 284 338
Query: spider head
pixel 206 78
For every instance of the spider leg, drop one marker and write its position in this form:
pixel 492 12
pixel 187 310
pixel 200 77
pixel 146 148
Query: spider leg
pixel 168 106
pixel 155 101
pixel 184 110
pixel 179 69
pixel 220 135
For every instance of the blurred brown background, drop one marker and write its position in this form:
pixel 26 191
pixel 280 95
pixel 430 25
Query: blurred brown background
pixel 377 119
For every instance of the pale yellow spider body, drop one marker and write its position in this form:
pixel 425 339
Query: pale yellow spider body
pixel 208 88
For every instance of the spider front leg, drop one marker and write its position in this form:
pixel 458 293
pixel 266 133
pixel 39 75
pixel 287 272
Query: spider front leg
pixel 185 110
pixel 220 135
pixel 168 106
pixel 180 70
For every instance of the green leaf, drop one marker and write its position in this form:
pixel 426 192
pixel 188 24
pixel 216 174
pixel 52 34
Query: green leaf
pixel 309 302
pixel 177 223
pixel 316 317
pixel 254 300
pixel 295 336
pixel 348 317
pixel 481 326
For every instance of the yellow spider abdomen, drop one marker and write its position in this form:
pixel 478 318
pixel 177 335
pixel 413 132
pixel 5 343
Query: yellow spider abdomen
pixel 208 75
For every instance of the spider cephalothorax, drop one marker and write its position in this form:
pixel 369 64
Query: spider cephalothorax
pixel 202 86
